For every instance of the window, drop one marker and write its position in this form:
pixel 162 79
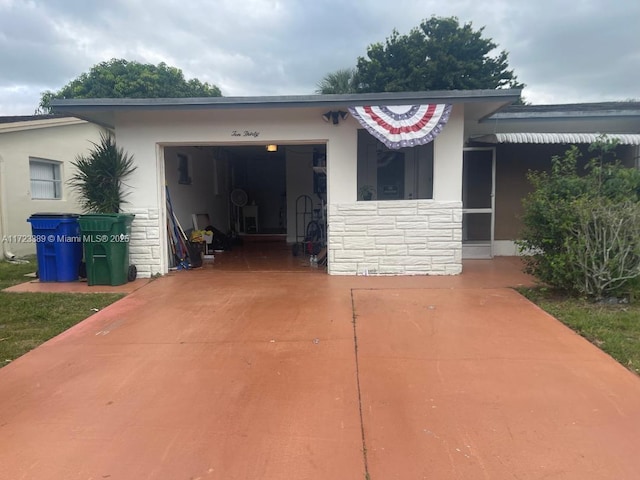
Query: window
pixel 46 183
pixel 385 174
pixel 183 170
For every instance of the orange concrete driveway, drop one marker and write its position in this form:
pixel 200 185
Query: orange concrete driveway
pixel 282 375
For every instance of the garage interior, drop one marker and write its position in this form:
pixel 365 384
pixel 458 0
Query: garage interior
pixel 258 198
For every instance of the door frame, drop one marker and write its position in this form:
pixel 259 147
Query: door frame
pixel 480 251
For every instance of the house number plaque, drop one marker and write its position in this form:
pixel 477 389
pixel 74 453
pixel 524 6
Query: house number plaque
pixel 245 133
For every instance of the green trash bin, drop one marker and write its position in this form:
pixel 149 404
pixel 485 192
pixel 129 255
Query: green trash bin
pixel 105 238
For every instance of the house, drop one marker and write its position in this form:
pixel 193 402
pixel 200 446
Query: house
pixel 446 170
pixel 35 156
pixel 526 137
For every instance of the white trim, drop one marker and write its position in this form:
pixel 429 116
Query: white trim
pixel 55 184
pixel 4 249
pixel 162 210
pixel 36 124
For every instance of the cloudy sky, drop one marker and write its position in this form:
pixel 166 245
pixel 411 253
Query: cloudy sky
pixel 564 50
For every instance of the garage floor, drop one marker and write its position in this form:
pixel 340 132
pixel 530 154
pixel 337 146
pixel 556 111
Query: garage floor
pixel 271 375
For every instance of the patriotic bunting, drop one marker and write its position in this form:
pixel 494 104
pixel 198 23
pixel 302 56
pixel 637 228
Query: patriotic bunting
pixel 401 126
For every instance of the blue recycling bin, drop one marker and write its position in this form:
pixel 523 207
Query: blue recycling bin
pixel 58 246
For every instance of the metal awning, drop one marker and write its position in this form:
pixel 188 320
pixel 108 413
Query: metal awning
pixel 568 138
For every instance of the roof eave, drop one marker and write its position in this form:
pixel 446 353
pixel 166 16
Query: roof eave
pixel 299 101
pixel 33 124
pixel 529 116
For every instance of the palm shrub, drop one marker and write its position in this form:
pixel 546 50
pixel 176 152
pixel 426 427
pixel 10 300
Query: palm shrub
pixel 581 229
pixel 99 176
pixel 340 81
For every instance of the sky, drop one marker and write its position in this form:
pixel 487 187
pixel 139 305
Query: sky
pixel 564 51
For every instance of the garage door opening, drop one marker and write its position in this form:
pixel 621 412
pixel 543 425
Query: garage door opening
pixel 260 204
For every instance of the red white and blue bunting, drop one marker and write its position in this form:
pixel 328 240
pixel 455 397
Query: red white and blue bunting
pixel 401 126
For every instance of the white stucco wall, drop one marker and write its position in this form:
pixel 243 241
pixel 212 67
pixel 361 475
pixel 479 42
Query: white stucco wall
pixel 144 134
pixel 447 159
pixel 406 237
pixel 60 140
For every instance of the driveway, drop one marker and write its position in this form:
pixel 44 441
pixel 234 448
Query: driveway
pixel 296 375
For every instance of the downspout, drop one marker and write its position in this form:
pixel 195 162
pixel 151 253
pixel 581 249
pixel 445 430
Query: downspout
pixel 3 226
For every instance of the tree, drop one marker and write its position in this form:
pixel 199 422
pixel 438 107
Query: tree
pixel 340 81
pixel 440 54
pixel 119 78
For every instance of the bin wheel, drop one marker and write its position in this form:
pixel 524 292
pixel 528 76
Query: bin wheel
pixel 132 274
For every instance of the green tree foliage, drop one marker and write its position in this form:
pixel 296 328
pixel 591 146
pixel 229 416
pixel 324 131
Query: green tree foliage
pixel 118 78
pixel 439 54
pixel 582 228
pixel 99 176
pixel 340 81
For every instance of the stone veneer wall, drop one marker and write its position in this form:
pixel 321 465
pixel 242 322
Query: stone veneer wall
pixel 144 246
pixel 405 237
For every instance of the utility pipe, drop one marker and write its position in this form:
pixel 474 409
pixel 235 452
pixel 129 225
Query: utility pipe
pixel 3 225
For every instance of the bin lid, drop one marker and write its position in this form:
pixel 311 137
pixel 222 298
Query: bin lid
pixel 54 215
pixel 107 215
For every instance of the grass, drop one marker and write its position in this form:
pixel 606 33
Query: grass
pixel 30 319
pixel 613 328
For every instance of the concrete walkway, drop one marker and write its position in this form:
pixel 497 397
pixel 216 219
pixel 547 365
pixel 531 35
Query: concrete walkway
pixel 287 375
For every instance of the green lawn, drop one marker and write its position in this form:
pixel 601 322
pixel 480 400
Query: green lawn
pixel 613 328
pixel 29 319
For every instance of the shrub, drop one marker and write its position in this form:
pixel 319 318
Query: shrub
pixel 99 176
pixel 582 230
pixel 605 247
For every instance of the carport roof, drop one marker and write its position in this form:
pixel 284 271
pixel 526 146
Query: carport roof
pixel 101 110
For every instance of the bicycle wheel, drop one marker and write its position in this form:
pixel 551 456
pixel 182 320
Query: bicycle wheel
pixel 314 232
